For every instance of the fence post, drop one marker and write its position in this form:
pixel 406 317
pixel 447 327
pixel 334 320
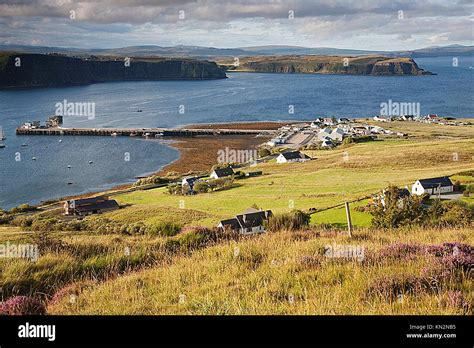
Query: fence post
pixel 348 216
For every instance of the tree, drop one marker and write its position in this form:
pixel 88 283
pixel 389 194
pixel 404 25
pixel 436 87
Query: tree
pixel 397 211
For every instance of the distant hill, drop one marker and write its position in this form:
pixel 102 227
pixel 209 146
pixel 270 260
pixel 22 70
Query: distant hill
pixel 446 51
pixel 361 65
pixel 216 53
pixel 39 70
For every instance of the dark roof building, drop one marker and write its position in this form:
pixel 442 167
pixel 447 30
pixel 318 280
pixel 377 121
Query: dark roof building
pixel 442 181
pixel 292 156
pixel 251 221
pixel 190 181
pixel 87 206
pixel 222 172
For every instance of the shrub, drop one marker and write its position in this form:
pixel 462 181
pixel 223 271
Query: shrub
pixel 176 189
pixel 22 305
pixel 22 208
pixel 450 213
pixel 46 243
pixel 5 219
pixel 44 224
pixel 263 152
pixel 166 228
pixel 348 140
pixel 397 211
pixel 201 187
pixel 295 220
pixel 154 179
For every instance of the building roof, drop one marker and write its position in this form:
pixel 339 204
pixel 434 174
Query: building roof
pixel 253 219
pixel 230 223
pixel 404 192
pixel 190 180
pixel 442 181
pixel 88 201
pixel 95 203
pixel 293 155
pixel 338 131
pixel 250 218
pixel 221 172
pixel 326 130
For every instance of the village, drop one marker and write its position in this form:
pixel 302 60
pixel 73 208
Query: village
pixel 287 145
pixel 328 132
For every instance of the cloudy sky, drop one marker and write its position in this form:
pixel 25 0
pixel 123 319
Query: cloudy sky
pixel 358 24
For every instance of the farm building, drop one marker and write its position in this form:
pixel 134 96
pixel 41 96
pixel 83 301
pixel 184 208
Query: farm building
pixel 251 221
pixel 222 173
pixel 293 156
pixel 88 206
pixel 433 186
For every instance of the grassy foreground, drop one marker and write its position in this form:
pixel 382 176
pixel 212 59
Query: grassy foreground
pixel 285 273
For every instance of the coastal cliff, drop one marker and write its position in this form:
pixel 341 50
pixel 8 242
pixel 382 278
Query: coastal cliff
pixel 38 70
pixel 363 65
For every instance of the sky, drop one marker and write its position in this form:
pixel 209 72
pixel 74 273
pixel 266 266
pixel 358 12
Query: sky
pixel 355 24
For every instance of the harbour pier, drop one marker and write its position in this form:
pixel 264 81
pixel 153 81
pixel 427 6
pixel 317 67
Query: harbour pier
pixel 143 132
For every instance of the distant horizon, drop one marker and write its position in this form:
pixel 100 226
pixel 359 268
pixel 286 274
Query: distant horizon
pixel 238 47
pixel 381 25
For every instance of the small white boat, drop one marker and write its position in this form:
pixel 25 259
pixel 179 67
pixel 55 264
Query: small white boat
pixel 2 146
pixel 68 166
pixel 24 144
pixel 60 141
pixel 90 162
pixel 114 134
pixel 33 158
pixel 2 134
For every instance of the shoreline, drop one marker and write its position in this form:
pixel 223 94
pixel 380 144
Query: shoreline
pixel 195 154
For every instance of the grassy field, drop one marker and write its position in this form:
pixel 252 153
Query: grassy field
pixel 282 273
pixel 276 273
pixel 333 177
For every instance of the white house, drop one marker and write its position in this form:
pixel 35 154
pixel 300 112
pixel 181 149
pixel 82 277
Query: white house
pixel 251 221
pixel 327 143
pixel 222 173
pixel 382 119
pixel 432 186
pixel 337 134
pixel 328 121
pixel 293 156
pixel 276 141
pixel 323 133
pixel 190 181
